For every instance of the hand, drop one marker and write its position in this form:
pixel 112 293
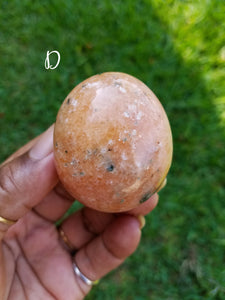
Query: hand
pixel 34 261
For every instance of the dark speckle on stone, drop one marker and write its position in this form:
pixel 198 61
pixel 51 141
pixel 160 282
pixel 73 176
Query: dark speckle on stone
pixel 110 168
pixel 109 149
pixel 66 151
pixel 68 101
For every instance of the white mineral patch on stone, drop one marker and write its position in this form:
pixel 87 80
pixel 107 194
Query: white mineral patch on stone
pixel 66 121
pixel 91 199
pixel 109 182
pixel 138 164
pixel 139 115
pixel 73 105
pixel 132 108
pixel 74 102
pixel 134 132
pixel 119 81
pixel 73 161
pixel 110 142
pixel 93 84
pixel 123 90
pixel 124 156
pixel 135 87
pixel 122 137
pixel 126 114
pixel 133 146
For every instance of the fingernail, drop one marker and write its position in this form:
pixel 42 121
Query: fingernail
pixel 44 145
pixel 163 184
pixel 142 221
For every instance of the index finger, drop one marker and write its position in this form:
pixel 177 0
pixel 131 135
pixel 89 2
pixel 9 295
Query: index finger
pixel 26 179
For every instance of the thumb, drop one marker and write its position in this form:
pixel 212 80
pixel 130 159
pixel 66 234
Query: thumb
pixel 27 179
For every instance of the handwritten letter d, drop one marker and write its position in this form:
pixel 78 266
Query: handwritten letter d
pixel 47 61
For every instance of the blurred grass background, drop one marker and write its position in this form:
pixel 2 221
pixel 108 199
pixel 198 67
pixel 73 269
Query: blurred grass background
pixel 178 49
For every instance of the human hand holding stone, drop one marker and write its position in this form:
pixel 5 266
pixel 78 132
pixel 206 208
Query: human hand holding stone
pixel 34 260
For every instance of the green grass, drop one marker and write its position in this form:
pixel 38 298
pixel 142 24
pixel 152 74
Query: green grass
pixel 178 49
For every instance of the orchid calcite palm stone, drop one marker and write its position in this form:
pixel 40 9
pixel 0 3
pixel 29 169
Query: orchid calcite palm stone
pixel 112 142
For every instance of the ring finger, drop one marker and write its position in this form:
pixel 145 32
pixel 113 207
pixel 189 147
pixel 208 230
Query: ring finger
pixel 107 251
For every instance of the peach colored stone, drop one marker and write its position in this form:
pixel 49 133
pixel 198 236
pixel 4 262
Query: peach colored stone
pixel 112 142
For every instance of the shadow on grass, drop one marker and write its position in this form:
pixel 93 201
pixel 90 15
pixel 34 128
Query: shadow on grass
pixel 186 238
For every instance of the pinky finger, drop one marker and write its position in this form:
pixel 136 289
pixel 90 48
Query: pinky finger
pixel 146 207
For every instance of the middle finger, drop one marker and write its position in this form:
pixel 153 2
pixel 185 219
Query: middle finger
pixel 83 225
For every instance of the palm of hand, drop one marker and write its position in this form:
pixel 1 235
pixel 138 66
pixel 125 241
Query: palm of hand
pixel 36 263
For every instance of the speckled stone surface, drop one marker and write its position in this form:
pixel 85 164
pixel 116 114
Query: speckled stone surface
pixel 112 142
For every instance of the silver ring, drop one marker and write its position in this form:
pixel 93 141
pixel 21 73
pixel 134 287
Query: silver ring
pixel 83 277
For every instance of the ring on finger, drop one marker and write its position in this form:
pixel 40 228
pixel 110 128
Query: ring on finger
pixel 65 241
pixel 83 277
pixel 7 221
